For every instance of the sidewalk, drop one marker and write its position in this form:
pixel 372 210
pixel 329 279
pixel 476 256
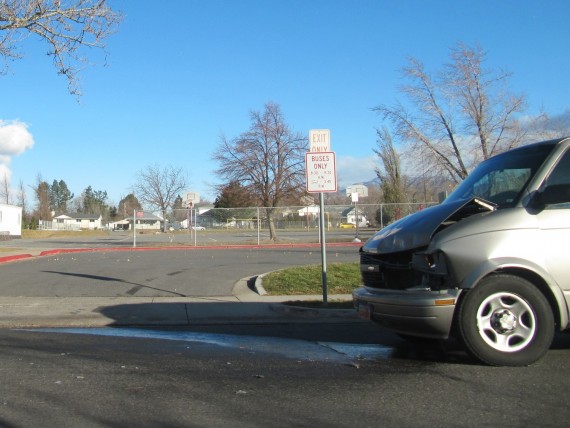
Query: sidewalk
pixel 244 306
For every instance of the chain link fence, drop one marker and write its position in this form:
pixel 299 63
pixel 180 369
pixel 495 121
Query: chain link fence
pixel 374 216
pixel 252 225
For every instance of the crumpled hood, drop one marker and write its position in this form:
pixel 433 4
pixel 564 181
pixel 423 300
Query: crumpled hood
pixel 413 231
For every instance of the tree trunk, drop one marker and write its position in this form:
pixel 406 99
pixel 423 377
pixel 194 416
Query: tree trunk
pixel 271 222
pixel 164 221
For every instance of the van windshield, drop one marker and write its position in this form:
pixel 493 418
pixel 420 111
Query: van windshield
pixel 502 178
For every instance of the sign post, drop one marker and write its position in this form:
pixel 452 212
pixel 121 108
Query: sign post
pixel 320 169
pixel 355 191
pixel 136 215
pixel 192 198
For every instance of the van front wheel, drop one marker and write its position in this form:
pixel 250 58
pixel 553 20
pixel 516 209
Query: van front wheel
pixel 506 321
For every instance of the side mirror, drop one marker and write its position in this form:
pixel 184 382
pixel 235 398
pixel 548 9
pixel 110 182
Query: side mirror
pixel 554 194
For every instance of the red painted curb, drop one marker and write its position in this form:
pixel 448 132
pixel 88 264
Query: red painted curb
pixel 200 247
pixel 177 248
pixel 14 257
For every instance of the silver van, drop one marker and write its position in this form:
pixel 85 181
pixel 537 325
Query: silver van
pixel 490 265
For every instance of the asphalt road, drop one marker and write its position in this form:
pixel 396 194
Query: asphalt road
pixel 340 375
pixel 251 375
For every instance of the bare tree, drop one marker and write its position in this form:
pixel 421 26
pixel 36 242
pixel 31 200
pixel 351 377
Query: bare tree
pixel 159 187
pixel 5 189
pixel 392 181
pixel 552 126
pixel 22 199
pixel 67 27
pixel 268 160
pixel 463 115
pixel 390 175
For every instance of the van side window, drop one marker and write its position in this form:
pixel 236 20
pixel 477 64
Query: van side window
pixel 560 175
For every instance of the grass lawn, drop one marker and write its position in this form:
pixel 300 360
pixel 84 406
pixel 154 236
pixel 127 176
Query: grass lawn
pixel 46 234
pixel 342 278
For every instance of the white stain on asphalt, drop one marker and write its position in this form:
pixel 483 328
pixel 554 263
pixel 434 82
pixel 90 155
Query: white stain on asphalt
pixel 289 348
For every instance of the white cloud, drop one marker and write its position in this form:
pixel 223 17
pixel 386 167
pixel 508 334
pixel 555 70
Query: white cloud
pixel 351 170
pixel 15 139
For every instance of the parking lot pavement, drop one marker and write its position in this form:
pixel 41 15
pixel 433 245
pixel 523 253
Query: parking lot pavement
pixel 243 306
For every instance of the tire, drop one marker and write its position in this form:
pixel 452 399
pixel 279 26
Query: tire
pixel 506 321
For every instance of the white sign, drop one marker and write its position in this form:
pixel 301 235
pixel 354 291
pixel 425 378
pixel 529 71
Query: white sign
pixel 319 140
pixel 321 172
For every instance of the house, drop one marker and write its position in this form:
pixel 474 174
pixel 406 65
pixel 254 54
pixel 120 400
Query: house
pixel 10 221
pixel 120 225
pixel 201 216
pixel 77 222
pixel 146 221
pixel 309 211
pixel 349 216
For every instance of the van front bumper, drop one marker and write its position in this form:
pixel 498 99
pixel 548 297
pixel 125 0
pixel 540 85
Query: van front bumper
pixel 422 313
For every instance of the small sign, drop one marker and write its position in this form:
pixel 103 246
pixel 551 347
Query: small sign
pixel 140 214
pixel 319 140
pixel 320 172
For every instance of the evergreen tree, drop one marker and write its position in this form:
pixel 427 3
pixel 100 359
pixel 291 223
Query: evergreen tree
pixel 94 201
pixel 59 196
pixel 128 205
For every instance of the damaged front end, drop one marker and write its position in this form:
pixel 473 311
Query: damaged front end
pixel 406 288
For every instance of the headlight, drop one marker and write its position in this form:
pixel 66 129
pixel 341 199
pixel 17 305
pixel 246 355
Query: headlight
pixel 433 263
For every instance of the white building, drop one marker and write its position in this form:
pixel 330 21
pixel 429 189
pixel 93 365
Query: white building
pixel 10 220
pixel 146 221
pixel 309 211
pixel 75 222
pixel 350 216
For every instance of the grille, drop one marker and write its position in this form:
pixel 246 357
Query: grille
pixel 391 271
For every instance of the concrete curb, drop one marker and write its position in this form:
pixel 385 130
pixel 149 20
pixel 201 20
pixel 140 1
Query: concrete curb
pixel 26 252
pixel 259 285
pixel 14 257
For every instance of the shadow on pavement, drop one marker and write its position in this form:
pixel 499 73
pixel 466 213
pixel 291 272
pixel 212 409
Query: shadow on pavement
pixel 265 320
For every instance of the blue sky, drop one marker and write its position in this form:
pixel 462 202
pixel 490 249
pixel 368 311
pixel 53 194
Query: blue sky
pixel 180 75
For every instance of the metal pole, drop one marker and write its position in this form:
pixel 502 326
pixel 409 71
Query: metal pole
pixel 258 227
pixel 188 219
pixel 195 223
pixel 357 221
pixel 323 247
pixel 134 228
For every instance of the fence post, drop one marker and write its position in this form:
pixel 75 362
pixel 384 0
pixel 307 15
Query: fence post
pixel 258 227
